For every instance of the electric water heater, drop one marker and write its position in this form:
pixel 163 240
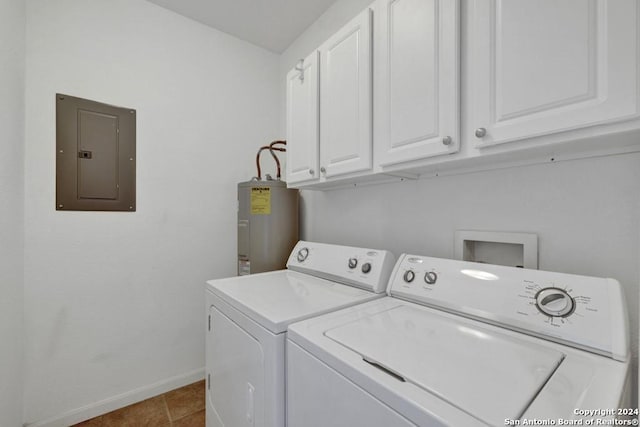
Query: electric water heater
pixel 267 225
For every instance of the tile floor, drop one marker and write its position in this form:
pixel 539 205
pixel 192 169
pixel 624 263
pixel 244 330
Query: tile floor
pixel 183 407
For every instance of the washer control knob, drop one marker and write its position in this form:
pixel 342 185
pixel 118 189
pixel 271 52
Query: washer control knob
pixel 302 254
pixel 366 267
pixel 409 275
pixel 430 277
pixel 353 262
pixel 555 302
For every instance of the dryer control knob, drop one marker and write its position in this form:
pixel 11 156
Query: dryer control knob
pixel 430 277
pixel 409 275
pixel 302 254
pixel 555 302
pixel 353 262
pixel 366 267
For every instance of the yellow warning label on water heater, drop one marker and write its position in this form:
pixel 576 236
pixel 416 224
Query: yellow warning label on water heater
pixel 260 201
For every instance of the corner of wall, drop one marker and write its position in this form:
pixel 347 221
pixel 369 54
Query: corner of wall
pixel 12 119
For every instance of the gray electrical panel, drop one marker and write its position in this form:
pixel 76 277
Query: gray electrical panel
pixel 267 225
pixel 95 156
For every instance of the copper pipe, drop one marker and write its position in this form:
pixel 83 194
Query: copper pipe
pixel 271 149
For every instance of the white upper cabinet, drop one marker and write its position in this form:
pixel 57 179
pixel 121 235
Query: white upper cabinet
pixel 345 99
pixel 383 95
pixel 547 66
pixel 302 121
pixel 416 69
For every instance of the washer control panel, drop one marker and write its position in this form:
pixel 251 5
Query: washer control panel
pixel 585 312
pixel 365 268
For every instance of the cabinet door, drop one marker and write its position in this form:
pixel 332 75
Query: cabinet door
pixel 345 99
pixel 416 101
pixel 302 121
pixel 545 66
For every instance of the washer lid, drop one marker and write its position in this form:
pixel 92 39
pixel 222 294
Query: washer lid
pixel 278 298
pixel 489 375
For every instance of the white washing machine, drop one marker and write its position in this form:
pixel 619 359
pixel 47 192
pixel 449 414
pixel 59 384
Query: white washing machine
pixel 248 318
pixel 464 344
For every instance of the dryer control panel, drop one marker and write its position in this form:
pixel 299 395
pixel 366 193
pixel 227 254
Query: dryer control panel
pixel 584 312
pixel 364 268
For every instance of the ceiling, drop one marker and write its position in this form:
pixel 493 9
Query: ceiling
pixel 272 24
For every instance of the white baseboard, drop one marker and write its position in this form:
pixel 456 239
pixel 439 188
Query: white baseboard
pixel 116 402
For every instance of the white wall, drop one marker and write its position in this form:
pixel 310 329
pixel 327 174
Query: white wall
pixel 12 56
pixel 114 301
pixel 586 213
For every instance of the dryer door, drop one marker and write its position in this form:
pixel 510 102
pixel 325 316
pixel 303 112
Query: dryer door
pixel 235 361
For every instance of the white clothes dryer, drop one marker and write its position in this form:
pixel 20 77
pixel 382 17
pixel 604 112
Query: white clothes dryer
pixel 247 319
pixel 464 344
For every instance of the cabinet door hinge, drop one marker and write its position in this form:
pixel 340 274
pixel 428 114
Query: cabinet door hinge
pixel 208 381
